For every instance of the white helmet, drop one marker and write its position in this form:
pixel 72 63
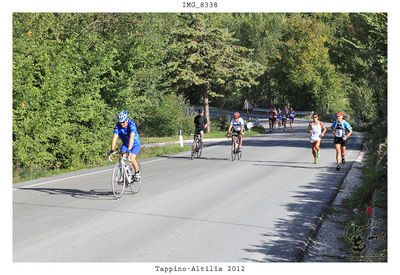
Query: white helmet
pixel 123 116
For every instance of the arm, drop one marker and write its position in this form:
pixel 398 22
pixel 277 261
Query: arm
pixel 323 127
pixel 309 128
pixel 347 136
pixel 114 141
pixel 131 137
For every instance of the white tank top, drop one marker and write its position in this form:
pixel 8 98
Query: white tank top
pixel 316 130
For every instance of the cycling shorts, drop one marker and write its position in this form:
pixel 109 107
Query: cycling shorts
pixel 135 149
pixel 198 130
pixel 339 140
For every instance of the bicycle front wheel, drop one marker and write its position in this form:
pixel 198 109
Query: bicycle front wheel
pixel 136 184
pixel 233 153
pixel 118 181
pixel 200 149
pixel 193 152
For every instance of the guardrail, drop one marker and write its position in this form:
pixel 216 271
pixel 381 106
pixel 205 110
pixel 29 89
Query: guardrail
pixel 300 113
pixel 218 113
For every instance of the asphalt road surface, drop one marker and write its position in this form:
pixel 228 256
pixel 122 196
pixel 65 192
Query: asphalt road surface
pixel 259 209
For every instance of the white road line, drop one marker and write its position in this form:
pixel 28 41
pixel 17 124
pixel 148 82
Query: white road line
pixel 90 173
pixel 71 177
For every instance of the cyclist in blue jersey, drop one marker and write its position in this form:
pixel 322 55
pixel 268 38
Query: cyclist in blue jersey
pixel 339 128
pixel 126 130
pixel 237 124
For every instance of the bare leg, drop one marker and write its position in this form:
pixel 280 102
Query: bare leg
pixel 134 162
pixel 337 146
pixel 313 149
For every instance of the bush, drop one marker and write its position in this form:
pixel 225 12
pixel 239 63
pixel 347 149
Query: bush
pixel 165 116
pixel 220 124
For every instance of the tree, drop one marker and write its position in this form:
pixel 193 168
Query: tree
pixel 202 58
pixel 361 53
pixel 303 69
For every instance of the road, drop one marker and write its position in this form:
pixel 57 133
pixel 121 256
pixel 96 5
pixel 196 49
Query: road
pixel 259 209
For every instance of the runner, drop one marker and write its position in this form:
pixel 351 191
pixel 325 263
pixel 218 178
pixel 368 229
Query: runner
pixel 271 115
pixel 285 114
pixel 275 118
pixel 314 128
pixel 339 127
pixel 279 118
pixel 292 114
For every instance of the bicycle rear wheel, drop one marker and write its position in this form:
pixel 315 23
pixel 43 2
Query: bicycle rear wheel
pixel 239 155
pixel 118 181
pixel 136 184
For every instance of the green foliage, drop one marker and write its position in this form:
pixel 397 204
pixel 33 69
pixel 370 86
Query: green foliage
pixel 221 123
pixel 73 72
pixel 166 116
pixel 205 59
pixel 361 53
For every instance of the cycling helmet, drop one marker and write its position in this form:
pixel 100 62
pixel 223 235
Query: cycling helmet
pixel 123 116
pixel 236 115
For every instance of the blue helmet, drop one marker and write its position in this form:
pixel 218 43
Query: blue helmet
pixel 123 116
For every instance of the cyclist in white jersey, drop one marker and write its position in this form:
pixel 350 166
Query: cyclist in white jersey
pixel 315 129
pixel 237 124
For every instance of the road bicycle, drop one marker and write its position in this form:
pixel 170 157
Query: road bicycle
pixel 124 176
pixel 235 152
pixel 197 147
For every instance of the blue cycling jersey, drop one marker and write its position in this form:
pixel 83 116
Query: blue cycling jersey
pixel 124 133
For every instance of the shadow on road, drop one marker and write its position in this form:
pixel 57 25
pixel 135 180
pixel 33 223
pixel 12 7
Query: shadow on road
pixel 76 193
pixel 292 233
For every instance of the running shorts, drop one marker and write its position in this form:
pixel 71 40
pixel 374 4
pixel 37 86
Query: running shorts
pixel 339 140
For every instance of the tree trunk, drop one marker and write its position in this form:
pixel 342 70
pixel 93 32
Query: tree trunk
pixel 206 106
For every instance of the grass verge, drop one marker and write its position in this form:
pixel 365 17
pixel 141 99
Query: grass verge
pixel 145 153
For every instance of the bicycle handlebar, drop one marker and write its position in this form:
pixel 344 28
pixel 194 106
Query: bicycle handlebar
pixel 116 152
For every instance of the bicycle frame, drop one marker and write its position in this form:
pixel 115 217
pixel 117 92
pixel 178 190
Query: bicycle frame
pixel 197 148
pixel 122 169
pixel 235 147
